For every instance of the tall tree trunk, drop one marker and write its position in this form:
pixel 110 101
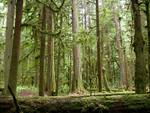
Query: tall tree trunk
pixel 119 46
pixel 42 52
pixel 127 74
pixel 89 67
pixel 109 64
pixel 77 84
pixel 74 30
pixel 105 81
pixel 147 4
pixel 99 66
pixel 59 61
pixel 8 41
pixel 140 66
pixel 70 72
pixel 85 14
pixel 12 82
pixel 58 68
pixel 51 71
pixel 36 59
pixel 36 62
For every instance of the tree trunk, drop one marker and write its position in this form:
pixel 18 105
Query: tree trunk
pixel 36 59
pixel 147 4
pixel 51 71
pixel 99 104
pixel 99 66
pixel 70 72
pixel 58 68
pixel 109 64
pixel 8 41
pixel 106 82
pixel 42 52
pixel 119 47
pixel 36 62
pixel 12 82
pixel 140 65
pixel 89 67
pixel 127 74
pixel 77 84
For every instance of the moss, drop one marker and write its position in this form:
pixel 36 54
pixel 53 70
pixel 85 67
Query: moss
pixel 93 107
pixel 93 104
pixel 137 101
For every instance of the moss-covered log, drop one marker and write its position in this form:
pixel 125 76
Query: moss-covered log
pixel 92 104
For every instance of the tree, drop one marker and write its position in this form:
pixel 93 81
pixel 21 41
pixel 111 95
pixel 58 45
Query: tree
pixel 42 52
pixel 119 47
pixel 50 49
pixel 63 57
pixel 77 84
pixel 8 41
pixel 58 68
pixel 140 67
pixel 147 6
pixel 99 66
pixel 12 82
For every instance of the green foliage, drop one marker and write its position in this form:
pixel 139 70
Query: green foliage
pixel 62 34
pixel 27 91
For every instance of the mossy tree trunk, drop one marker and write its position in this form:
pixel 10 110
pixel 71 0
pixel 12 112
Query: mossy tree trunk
pixel 36 58
pixel 58 69
pixel 42 51
pixel 140 65
pixel 98 104
pixel 109 71
pixel 119 47
pixel 99 65
pixel 147 4
pixel 127 74
pixel 51 82
pixel 105 81
pixel 70 72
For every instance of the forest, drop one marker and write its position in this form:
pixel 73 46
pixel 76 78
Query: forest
pixel 74 56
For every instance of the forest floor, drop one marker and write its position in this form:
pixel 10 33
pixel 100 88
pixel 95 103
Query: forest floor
pixel 100 103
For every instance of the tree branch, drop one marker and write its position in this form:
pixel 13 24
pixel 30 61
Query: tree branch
pixel 14 99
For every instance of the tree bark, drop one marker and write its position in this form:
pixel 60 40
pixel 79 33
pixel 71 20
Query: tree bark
pixel 8 41
pixel 99 104
pixel 12 82
pixel 140 65
pixel 58 69
pixel 105 81
pixel 70 72
pixel 109 64
pixel 119 47
pixel 51 70
pixel 42 53
pixel 99 66
pixel 36 59
pixel 147 4
pixel 77 84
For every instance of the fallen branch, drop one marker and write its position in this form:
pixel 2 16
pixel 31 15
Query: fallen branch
pixel 14 100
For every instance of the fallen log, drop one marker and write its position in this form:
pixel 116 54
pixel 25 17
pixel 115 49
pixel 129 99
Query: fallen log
pixel 92 104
